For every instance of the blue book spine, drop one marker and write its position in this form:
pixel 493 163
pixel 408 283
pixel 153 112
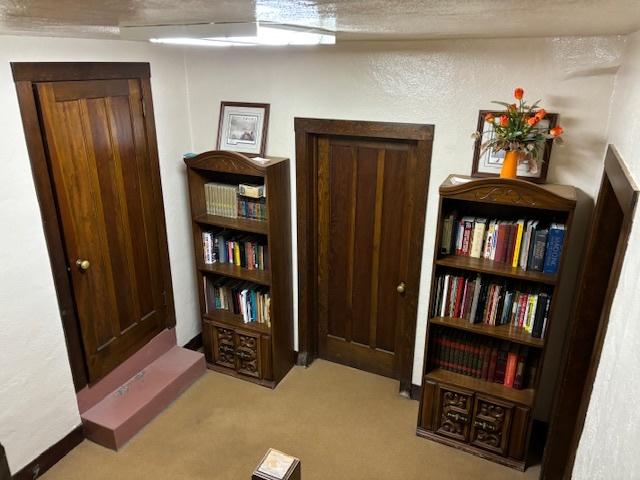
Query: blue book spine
pixel 554 250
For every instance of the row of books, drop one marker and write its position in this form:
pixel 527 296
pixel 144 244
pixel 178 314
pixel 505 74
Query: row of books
pixel 480 300
pixel 240 298
pixel 527 244
pixel 250 208
pixel 245 251
pixel 227 201
pixel 487 359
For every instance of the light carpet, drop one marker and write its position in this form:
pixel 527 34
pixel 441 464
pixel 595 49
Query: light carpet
pixel 342 423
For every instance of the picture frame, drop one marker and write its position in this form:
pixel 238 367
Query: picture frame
pixel 489 164
pixel 243 128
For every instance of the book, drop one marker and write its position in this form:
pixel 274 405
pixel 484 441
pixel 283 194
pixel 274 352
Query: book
pixel 510 369
pixel 554 245
pixel 518 242
pixel 536 256
pixel 518 381
pixel 540 314
pixel 447 234
pixel 478 237
pixel 501 363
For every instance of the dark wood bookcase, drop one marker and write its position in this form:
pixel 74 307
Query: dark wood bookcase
pixel 485 418
pixel 251 351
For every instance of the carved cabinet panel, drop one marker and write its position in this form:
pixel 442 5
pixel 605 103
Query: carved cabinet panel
pixel 491 424
pixel 223 346
pixel 453 415
pixel 248 354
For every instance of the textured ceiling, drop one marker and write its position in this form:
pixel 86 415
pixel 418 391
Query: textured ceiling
pixel 352 19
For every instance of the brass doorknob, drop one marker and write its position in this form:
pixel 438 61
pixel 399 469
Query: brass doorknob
pixel 83 264
pixel 401 287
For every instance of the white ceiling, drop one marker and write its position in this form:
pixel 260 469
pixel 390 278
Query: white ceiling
pixel 352 19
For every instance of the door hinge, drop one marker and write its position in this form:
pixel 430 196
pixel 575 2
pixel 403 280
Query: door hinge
pixel 164 298
pixel 144 110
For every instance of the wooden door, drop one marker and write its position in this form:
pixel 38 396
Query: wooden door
pixel 365 199
pixel 101 171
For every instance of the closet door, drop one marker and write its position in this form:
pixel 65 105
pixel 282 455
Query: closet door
pixel 366 194
pixel 101 171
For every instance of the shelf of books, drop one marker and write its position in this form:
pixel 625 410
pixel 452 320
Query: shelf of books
pixel 245 284
pixel 497 265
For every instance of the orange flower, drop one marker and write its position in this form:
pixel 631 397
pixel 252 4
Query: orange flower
pixel 504 120
pixel 518 93
pixel 540 114
pixel 489 117
pixel 532 121
pixel 556 131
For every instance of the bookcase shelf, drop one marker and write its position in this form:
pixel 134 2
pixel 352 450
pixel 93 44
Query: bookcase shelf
pixel 240 224
pixel 524 397
pixel 236 321
pixel 502 332
pixel 481 265
pixel 261 277
pixel 253 351
pixel 471 411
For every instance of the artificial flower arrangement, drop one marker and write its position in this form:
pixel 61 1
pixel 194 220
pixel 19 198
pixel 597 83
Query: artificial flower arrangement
pixel 518 133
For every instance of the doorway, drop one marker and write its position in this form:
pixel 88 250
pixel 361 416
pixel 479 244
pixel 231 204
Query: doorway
pixel 362 195
pixel 602 263
pixel 91 140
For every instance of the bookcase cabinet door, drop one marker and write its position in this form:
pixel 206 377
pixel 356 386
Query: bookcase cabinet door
pixel 453 417
pixel 223 348
pixel 248 354
pixel 491 424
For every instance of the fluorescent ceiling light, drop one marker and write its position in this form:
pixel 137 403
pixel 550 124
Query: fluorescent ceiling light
pixel 191 30
pixel 273 35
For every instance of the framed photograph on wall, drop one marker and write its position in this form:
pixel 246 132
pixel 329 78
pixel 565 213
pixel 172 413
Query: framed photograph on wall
pixel 243 128
pixel 489 163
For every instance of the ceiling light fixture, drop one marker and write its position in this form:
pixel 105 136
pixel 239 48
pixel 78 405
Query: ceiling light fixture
pixel 226 35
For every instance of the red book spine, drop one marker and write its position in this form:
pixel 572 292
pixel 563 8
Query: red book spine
pixel 510 371
pixel 466 239
pixel 492 364
pixel 513 229
pixel 501 243
pixel 524 298
pixel 486 353
pixel 518 381
pixel 459 292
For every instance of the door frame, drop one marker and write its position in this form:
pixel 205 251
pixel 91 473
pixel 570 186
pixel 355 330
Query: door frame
pixel 307 131
pixel 25 76
pixel 581 359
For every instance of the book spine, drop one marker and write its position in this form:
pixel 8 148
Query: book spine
pixel 518 381
pixel 510 371
pixel 555 241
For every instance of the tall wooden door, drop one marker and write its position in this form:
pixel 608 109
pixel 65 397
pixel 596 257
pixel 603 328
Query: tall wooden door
pixel 100 167
pixel 366 194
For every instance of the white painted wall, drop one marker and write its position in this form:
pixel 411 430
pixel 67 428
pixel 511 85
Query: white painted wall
pixel 609 444
pixel 37 398
pixel 440 82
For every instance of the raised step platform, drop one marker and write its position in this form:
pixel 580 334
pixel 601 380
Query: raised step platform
pixel 113 421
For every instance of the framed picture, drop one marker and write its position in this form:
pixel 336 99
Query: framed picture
pixel 489 163
pixel 243 128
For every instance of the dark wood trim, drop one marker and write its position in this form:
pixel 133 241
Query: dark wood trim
pixel 66 71
pixel 52 455
pixel 584 342
pixel 26 76
pixel 194 344
pixel 307 131
pixel 415 392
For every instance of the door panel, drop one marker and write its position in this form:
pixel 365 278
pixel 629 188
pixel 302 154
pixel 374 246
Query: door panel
pixel 97 150
pixel 362 245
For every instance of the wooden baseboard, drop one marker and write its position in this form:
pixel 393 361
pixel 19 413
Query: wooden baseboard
pixel 415 392
pixel 195 343
pixel 51 455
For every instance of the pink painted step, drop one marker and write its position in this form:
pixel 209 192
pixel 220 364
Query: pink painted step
pixel 113 421
pixel 96 392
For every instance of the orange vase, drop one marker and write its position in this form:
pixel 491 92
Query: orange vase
pixel 510 164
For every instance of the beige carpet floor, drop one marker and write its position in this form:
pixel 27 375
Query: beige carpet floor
pixel 342 423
